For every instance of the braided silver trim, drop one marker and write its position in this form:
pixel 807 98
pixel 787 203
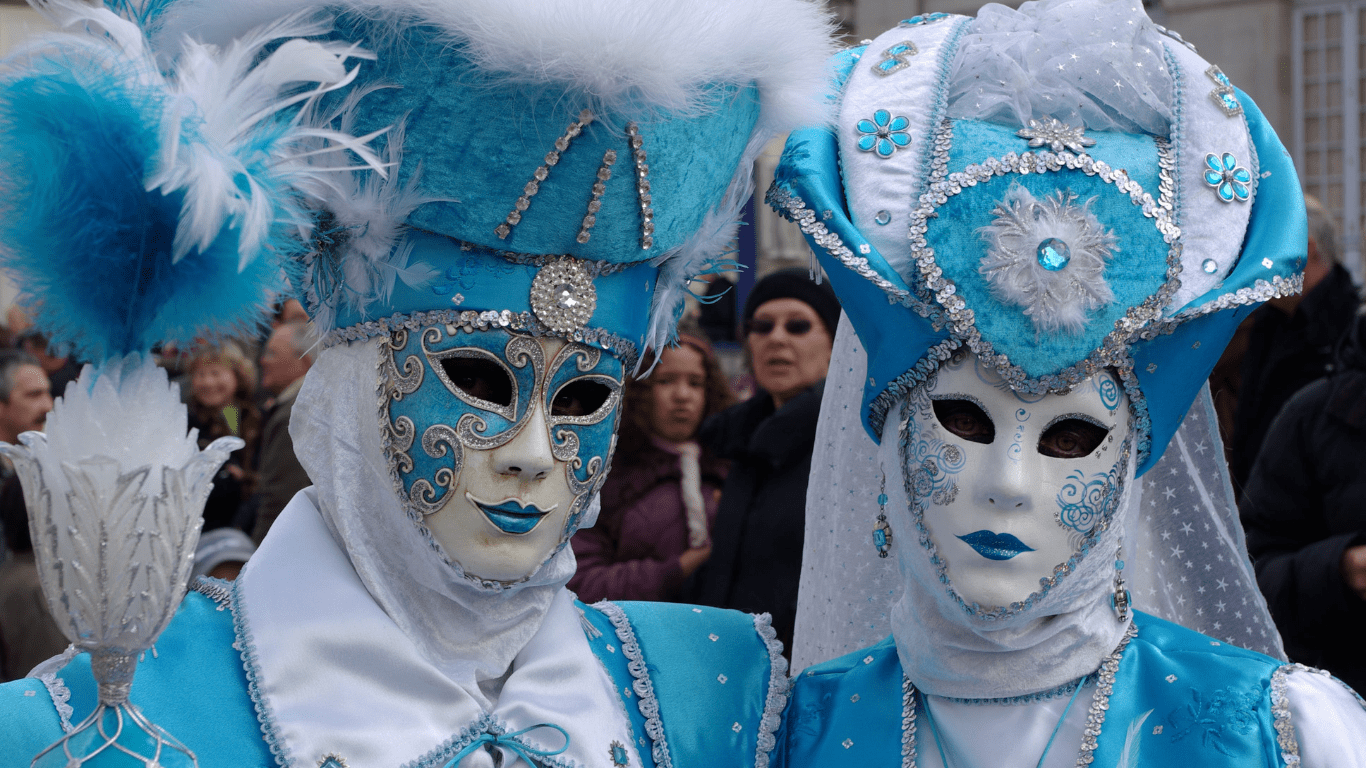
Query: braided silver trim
pixel 644 687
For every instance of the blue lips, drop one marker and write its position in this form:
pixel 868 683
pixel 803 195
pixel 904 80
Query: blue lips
pixel 511 517
pixel 995 546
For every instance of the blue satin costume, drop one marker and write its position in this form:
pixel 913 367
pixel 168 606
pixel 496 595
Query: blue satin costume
pixel 1207 704
pixel 717 697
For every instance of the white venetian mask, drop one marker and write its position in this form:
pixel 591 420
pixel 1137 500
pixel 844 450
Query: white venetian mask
pixel 1009 488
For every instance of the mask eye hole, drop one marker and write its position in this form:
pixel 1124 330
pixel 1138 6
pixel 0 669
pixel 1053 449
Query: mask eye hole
pixel 580 397
pixel 479 378
pixel 965 419
pixel 1071 439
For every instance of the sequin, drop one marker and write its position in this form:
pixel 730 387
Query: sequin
pixel 883 218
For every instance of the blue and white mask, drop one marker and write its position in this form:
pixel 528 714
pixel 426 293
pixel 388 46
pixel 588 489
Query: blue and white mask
pixel 1008 491
pixel 497 441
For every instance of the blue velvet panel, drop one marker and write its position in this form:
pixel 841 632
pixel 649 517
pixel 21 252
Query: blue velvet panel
pixel 480 142
pixel 1136 270
pixel 480 280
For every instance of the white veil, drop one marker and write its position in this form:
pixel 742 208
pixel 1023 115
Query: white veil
pixel 1185 558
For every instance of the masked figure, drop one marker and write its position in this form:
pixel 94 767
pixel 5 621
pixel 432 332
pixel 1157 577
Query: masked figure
pixel 1044 226
pixel 548 179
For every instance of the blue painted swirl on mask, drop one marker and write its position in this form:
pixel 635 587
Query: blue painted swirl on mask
pixel 995 546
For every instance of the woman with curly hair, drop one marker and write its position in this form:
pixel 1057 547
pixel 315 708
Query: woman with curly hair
pixel 660 500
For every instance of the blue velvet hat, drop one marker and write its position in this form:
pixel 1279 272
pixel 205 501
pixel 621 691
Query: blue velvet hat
pixel 557 167
pixel 1059 189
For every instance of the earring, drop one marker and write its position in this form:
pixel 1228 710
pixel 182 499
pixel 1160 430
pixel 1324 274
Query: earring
pixel 1119 601
pixel 882 530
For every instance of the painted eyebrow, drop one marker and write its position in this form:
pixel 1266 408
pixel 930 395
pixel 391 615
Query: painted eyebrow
pixel 1081 416
pixel 969 398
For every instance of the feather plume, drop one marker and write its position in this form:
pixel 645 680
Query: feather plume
pixel 1132 742
pixel 139 209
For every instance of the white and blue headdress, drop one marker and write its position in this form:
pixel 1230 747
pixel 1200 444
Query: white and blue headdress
pixel 1061 188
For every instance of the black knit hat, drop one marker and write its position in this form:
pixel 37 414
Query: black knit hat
pixel 795 283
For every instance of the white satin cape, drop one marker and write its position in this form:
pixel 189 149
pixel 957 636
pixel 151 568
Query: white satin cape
pixel 336 676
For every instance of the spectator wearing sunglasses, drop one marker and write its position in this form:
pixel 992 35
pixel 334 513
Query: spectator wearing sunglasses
pixel 755 565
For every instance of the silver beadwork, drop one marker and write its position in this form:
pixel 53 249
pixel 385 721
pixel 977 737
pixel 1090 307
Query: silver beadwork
pixel 595 202
pixel 552 158
pixel 647 211
pixel 1056 135
pixel 563 296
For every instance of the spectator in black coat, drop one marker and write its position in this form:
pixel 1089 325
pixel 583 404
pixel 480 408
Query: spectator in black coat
pixel 756 558
pixel 1291 343
pixel 1305 516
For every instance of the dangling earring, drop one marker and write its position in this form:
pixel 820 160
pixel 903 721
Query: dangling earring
pixel 882 530
pixel 1119 601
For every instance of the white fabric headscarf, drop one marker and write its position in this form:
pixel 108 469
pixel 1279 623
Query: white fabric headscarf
pixel 470 633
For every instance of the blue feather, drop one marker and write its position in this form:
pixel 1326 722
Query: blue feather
pixel 89 245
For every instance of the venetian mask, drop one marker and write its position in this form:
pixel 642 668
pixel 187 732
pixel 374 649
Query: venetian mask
pixel 1009 490
pixel 497 440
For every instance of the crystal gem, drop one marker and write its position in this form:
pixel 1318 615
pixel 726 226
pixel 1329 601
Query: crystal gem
pixel 1054 254
pixel 565 296
pixel 1210 266
pixel 883 217
pixel 882 498
pixel 879 538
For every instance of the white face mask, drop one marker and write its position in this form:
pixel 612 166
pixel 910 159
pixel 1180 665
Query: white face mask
pixel 1011 486
pixel 500 441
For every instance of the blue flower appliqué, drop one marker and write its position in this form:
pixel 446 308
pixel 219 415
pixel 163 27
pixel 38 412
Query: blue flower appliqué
pixel 1228 178
pixel 929 18
pixel 883 134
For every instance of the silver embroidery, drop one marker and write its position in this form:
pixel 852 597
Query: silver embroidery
pixel 1056 135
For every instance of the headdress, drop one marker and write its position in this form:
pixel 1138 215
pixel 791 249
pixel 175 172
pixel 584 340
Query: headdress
pixel 557 168
pixel 1058 189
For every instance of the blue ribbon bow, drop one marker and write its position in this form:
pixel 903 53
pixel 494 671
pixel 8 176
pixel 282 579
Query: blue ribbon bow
pixel 509 742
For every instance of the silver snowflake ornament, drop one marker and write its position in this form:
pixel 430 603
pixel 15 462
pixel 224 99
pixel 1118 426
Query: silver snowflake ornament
pixel 1048 257
pixel 1056 135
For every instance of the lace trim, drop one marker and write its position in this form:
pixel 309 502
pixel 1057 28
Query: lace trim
pixel 1280 713
pixel 779 688
pixel 483 321
pixel 644 688
pixel 486 723
pixel 251 668
pixel 56 687
pixel 1065 689
pixel 902 385
pixel 217 590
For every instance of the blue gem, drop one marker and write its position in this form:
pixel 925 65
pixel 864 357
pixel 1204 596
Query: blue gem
pixel 1119 565
pixel 916 21
pixel 883 218
pixel 879 538
pixel 1054 254
pixel 881 498
pixel 1210 266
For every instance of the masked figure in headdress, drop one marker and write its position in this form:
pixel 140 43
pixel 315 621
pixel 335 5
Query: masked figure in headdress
pixel 1044 226
pixel 537 183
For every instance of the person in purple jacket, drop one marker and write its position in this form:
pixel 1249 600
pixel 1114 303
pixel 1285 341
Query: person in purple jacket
pixel 661 498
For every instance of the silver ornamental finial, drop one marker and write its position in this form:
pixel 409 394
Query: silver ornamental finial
pixel 1057 135
pixel 115 491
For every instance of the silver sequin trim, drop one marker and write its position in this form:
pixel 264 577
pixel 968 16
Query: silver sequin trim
pixel 1100 703
pixel 483 321
pixel 1280 713
pixel 1258 292
pixel 644 688
pixel 779 688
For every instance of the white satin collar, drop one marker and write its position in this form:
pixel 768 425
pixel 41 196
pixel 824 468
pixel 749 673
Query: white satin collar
pixel 335 676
